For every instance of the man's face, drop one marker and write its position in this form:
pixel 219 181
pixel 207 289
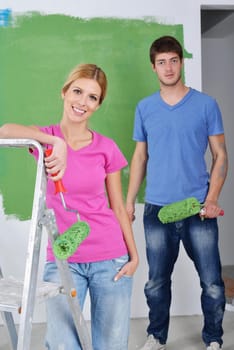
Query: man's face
pixel 168 68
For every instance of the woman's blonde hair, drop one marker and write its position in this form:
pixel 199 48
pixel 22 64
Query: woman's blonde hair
pixel 89 71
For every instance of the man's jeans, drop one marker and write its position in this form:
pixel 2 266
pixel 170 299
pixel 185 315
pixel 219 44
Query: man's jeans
pixel 110 306
pixel 200 240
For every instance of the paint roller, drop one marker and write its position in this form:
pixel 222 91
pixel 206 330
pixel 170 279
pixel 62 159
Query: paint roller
pixel 181 210
pixel 67 243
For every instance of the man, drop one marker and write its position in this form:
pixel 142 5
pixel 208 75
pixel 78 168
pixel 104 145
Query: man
pixel 172 130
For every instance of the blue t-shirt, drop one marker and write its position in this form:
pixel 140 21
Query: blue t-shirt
pixel 177 139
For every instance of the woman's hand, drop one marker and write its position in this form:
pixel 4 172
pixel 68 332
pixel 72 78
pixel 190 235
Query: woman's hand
pixel 127 270
pixel 56 162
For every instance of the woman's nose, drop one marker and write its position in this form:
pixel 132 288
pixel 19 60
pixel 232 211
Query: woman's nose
pixel 82 100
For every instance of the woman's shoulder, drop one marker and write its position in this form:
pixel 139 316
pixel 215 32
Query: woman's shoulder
pixel 52 129
pixel 105 144
pixel 104 139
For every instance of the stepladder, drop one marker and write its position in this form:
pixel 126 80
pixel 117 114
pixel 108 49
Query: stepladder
pixel 19 296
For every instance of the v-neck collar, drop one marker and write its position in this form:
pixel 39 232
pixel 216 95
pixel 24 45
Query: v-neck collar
pixel 179 103
pixel 82 148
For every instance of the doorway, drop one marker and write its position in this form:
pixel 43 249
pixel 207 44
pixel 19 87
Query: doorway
pixel 217 52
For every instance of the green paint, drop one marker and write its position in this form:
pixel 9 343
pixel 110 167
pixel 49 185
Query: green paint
pixel 38 52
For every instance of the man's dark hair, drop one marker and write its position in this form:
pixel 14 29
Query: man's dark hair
pixel 165 44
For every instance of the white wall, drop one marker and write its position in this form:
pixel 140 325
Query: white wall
pixel 186 289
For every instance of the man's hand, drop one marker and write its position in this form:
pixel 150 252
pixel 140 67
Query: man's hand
pixel 131 211
pixel 211 209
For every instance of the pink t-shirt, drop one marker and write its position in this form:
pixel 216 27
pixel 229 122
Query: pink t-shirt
pixel 84 180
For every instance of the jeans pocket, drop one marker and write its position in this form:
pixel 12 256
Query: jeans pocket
pixel 148 208
pixel 119 262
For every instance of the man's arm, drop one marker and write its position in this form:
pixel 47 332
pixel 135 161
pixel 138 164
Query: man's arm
pixel 136 177
pixel 218 174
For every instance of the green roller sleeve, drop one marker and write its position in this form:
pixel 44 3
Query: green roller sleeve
pixel 179 210
pixel 67 243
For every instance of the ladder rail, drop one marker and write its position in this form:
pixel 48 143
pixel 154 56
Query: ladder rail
pixel 10 324
pixel 11 329
pixel 34 242
pixel 33 255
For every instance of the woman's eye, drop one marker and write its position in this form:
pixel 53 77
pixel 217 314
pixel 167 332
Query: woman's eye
pixel 77 91
pixel 94 98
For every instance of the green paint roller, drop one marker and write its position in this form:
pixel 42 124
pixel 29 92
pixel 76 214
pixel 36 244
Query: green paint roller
pixel 67 243
pixel 181 210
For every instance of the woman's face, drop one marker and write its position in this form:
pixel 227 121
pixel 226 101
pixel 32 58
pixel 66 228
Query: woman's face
pixel 81 99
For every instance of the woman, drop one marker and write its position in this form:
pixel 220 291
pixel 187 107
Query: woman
pixel 89 164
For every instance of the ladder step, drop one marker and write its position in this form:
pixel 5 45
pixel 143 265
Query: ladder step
pixel 11 292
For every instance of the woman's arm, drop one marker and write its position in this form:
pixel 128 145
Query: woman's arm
pixel 115 196
pixel 56 162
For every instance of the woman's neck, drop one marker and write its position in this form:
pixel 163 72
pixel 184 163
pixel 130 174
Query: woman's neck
pixel 76 137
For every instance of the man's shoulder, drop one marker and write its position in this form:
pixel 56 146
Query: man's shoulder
pixel 148 100
pixel 203 96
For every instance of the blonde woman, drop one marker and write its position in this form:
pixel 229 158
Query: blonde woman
pixel 90 165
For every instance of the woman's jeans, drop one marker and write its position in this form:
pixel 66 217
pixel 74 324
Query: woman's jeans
pixel 200 240
pixel 110 306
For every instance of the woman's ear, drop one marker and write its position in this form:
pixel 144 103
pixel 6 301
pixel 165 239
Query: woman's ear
pixel 62 94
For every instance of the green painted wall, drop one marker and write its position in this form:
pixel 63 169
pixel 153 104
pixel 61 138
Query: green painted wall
pixel 37 53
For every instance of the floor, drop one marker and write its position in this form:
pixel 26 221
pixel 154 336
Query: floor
pixel 184 333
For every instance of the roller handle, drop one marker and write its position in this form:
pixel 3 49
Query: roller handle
pixel 221 213
pixel 59 187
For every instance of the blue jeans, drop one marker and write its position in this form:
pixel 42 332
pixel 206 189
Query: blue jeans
pixel 200 240
pixel 110 306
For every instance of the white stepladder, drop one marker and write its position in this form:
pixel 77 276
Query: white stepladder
pixel 21 295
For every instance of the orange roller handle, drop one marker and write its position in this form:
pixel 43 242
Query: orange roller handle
pixel 59 187
pixel 221 213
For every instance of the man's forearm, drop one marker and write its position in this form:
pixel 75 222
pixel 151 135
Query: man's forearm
pixel 218 175
pixel 219 166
